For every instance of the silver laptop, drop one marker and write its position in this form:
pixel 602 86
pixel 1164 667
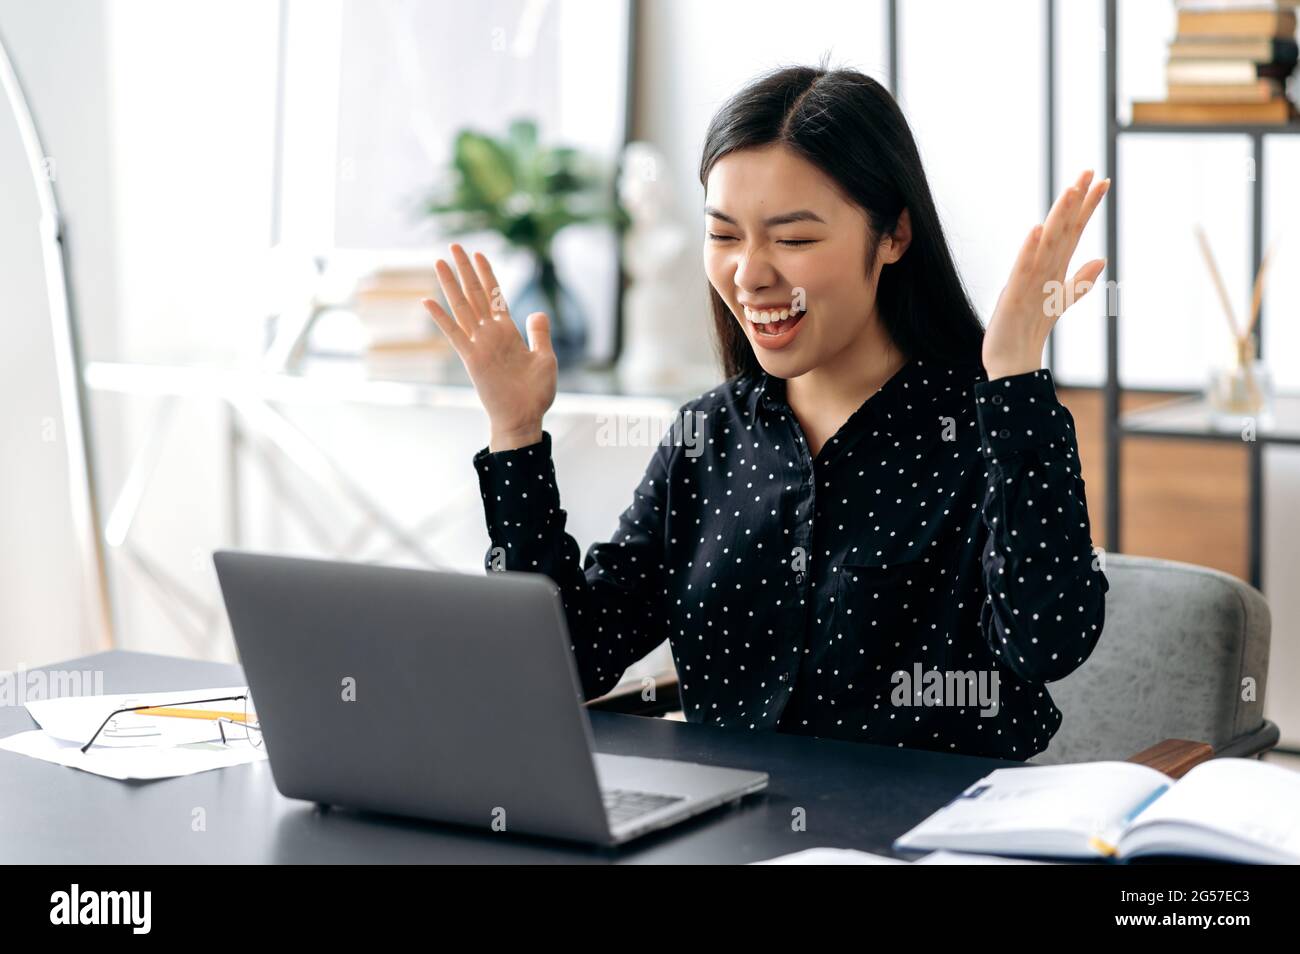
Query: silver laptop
pixel 445 696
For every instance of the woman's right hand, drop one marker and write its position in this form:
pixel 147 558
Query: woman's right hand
pixel 515 382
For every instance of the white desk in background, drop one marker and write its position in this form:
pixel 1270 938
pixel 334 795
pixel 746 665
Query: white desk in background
pixel 254 399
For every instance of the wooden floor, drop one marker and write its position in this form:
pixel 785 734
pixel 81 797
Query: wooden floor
pixel 1182 500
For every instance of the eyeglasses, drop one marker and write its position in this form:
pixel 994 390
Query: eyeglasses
pixel 174 709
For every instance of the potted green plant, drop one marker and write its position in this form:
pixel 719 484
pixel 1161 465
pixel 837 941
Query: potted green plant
pixel 527 193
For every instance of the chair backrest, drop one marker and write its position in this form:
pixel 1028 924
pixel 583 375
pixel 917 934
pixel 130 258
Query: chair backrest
pixel 1183 654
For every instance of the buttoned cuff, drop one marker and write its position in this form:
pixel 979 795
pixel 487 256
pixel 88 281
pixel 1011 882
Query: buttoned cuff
pixel 1018 412
pixel 517 485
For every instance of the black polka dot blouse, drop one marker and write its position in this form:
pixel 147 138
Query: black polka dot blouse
pixel 915 584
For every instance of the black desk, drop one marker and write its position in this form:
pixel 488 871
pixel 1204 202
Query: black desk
pixel 854 796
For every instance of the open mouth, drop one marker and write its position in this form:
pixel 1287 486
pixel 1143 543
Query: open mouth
pixel 775 322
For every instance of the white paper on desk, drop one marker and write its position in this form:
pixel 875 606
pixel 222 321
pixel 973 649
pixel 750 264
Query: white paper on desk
pixel 155 762
pixel 851 856
pixel 75 718
pixel 970 858
pixel 831 856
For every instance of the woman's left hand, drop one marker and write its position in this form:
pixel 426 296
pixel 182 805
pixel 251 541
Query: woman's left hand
pixel 1037 293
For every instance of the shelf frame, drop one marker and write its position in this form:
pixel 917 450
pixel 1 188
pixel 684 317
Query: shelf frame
pixel 1119 426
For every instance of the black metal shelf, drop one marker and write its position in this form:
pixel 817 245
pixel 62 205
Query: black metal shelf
pixel 1183 418
pixel 1211 129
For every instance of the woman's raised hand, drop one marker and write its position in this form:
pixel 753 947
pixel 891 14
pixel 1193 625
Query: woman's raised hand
pixel 1038 292
pixel 515 382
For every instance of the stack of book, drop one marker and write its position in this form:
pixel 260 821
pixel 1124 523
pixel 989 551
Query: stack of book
pixel 1228 63
pixel 401 338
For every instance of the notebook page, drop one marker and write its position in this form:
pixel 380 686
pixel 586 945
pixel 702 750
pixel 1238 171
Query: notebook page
pixel 1247 799
pixel 1089 798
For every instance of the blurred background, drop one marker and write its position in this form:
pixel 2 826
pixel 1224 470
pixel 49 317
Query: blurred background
pixel 253 193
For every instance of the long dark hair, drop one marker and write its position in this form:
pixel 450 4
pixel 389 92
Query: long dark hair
pixel 850 127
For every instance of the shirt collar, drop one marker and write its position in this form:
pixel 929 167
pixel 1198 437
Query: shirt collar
pixel 889 404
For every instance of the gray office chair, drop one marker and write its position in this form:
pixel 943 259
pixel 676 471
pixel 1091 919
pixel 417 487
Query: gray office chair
pixel 1178 643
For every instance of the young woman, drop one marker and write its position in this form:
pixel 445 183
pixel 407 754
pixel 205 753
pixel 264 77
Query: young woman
pixel 880 533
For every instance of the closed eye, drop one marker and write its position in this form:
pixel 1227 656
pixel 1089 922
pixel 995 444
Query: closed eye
pixel 793 243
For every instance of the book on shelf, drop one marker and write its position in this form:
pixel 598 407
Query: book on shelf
pixel 1225 809
pixel 387 302
pixel 1224 71
pixel 1275 112
pixel 1228 65
pixel 1237 4
pixel 1260 91
pixel 1256 49
pixel 1255 23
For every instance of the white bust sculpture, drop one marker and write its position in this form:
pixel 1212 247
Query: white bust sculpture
pixel 658 337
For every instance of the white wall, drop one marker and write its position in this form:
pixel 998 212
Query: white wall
pixel 192 118
pixel 161 152
pixel 59 53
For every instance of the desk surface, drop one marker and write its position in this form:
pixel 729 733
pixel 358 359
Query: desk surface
pixel 855 796
pixel 342 381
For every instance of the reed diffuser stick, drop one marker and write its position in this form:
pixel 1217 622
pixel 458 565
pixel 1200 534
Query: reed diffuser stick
pixel 1243 350
pixel 1218 281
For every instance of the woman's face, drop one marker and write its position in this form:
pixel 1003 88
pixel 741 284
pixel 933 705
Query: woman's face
pixel 780 238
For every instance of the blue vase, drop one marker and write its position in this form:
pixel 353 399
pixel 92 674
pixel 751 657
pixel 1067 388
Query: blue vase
pixel 545 292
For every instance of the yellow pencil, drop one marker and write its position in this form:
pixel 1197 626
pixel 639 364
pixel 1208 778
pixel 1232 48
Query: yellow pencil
pixel 194 713
pixel 1105 848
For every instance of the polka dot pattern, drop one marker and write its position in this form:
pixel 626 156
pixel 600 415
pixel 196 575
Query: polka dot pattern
pixel 943 527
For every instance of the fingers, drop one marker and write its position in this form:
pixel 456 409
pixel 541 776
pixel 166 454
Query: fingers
pixel 460 306
pixel 1057 226
pixel 496 301
pixel 472 287
pixel 539 333
pixel 459 340
pixel 1090 204
pixel 1068 219
pixel 1028 251
pixel 1086 207
pixel 1085 278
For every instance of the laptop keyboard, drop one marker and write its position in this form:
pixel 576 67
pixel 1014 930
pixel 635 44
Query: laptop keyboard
pixel 622 805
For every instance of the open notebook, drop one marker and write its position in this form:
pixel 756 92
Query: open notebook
pixel 1224 809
